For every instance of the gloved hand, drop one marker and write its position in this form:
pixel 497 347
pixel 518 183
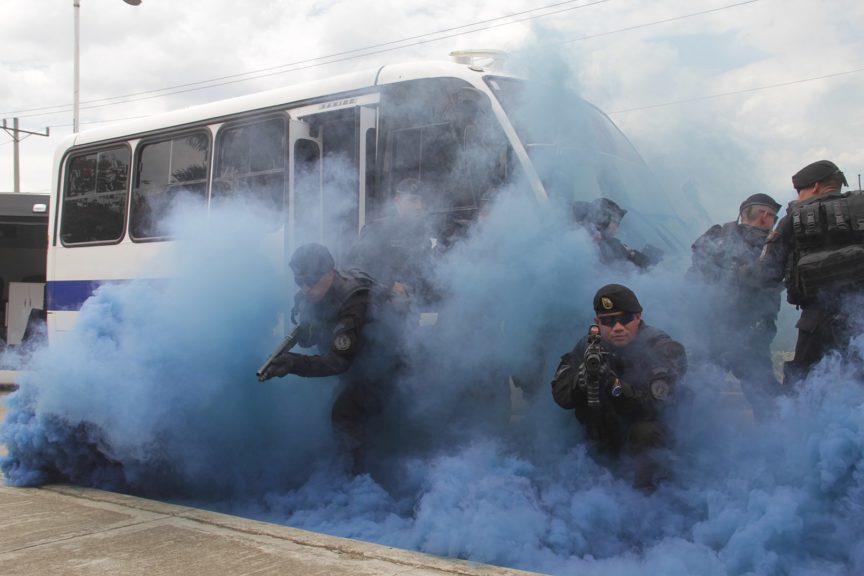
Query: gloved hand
pixel 282 365
pixel 580 377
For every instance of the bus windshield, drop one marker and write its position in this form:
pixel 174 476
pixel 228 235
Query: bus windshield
pixel 581 155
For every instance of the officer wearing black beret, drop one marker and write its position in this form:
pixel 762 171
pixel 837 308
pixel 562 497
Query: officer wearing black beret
pixel 334 309
pixel 743 314
pixel 818 251
pixel 619 379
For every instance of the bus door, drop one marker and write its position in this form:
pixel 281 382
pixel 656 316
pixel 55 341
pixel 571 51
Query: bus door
pixel 305 198
pixel 346 131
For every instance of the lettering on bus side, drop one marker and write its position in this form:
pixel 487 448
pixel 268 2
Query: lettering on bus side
pixel 338 103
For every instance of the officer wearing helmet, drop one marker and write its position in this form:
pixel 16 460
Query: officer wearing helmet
pixel 818 251
pixel 341 316
pixel 743 314
pixel 619 380
pixel 602 218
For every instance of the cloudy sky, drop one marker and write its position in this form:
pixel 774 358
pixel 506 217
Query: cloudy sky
pixel 722 97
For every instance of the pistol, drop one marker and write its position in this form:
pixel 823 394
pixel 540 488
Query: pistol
pixel 286 345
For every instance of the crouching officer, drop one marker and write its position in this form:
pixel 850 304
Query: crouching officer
pixel 337 312
pixel 619 379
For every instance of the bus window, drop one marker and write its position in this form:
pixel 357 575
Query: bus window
pixel 166 172
pixel 94 197
pixel 251 162
pixel 442 132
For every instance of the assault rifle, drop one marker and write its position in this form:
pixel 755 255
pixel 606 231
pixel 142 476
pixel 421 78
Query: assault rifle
pixel 285 346
pixel 597 371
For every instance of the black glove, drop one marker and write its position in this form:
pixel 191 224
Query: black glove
pixel 282 365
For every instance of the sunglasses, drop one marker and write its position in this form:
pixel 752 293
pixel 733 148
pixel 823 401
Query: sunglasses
pixel 610 321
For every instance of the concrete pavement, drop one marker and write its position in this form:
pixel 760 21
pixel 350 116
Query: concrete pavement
pixel 70 531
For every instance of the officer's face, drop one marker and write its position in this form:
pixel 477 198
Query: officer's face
pixel 618 328
pixel 315 290
pixel 410 205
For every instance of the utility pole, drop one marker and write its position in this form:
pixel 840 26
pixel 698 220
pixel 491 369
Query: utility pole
pixel 16 132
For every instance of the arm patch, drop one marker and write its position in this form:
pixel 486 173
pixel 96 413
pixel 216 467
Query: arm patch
pixel 343 342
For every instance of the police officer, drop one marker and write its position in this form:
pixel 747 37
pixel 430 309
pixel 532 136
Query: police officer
pixel 744 314
pixel 620 379
pixel 341 315
pixel 602 218
pixel 399 250
pixel 818 250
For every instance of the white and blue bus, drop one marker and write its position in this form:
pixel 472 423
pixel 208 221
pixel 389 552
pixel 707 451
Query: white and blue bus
pixel 326 156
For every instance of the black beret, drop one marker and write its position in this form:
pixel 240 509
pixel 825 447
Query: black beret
pixel 312 261
pixel 615 298
pixel 600 212
pixel 759 200
pixel 607 206
pixel 816 172
pixel 410 186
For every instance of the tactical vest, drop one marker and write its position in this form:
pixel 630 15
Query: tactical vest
pixel 829 244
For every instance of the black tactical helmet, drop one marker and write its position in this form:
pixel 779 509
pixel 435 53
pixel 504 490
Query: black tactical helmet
pixel 310 262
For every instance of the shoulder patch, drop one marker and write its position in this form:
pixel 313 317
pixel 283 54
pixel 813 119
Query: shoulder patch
pixel 343 342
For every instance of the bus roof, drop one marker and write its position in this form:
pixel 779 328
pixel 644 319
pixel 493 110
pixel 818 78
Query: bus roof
pixel 277 97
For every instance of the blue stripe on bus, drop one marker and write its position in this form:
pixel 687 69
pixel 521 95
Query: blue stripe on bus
pixel 68 295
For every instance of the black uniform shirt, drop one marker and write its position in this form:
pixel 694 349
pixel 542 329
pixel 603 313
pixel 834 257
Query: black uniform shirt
pixel 650 357
pixel 724 257
pixel 397 250
pixel 336 326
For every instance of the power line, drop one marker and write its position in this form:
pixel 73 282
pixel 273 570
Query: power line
pixel 736 92
pixel 656 22
pixel 364 52
pixel 357 52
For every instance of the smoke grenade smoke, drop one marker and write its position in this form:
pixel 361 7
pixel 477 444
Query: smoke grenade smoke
pixel 154 393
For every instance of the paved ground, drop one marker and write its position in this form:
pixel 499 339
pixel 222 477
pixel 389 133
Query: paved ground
pixel 70 531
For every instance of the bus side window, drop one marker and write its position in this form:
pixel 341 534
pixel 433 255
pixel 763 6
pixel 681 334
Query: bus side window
pixel 167 172
pixel 251 163
pixel 94 197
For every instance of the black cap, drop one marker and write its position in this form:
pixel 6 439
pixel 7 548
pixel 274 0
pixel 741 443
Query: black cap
pixel 816 172
pixel 615 298
pixel 759 200
pixel 411 186
pixel 600 211
pixel 311 262
pixel 607 206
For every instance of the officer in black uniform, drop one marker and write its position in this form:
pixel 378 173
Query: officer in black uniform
pixel 744 316
pixel 602 218
pixel 341 313
pixel 818 250
pixel 399 249
pixel 620 379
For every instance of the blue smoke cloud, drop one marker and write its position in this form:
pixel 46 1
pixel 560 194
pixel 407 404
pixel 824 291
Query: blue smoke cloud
pixel 154 393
